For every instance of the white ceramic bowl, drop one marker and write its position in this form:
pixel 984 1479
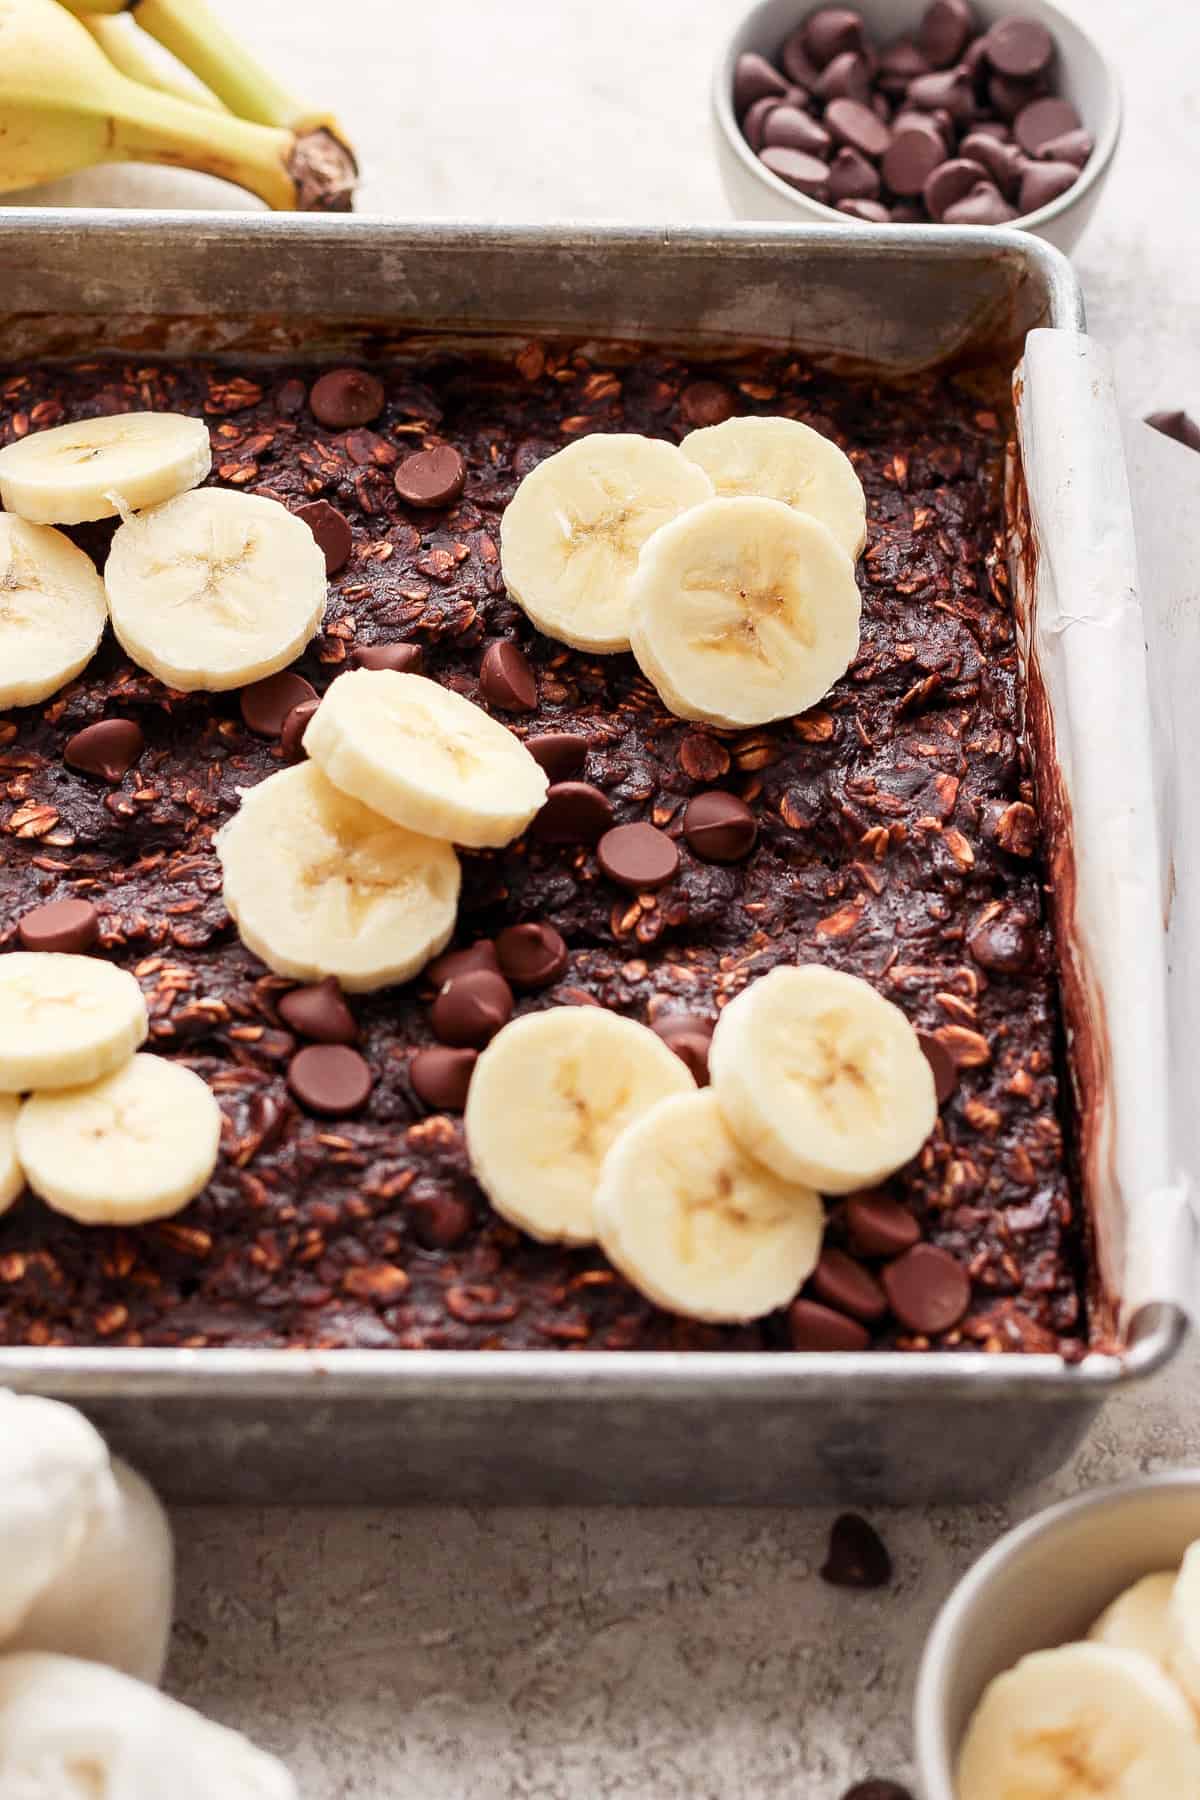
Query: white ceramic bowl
pixel 1085 76
pixel 1044 1584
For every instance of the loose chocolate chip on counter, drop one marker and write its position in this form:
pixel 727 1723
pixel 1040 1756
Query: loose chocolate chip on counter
pixel 929 1291
pixel 70 926
pixel 1176 425
pixel 856 125
pixel 440 1221
pixel 639 857
pixel 319 1012
pixel 845 1285
pixel 1042 121
pixel 531 956
pixel 852 177
pixel 266 704
pixel 441 1077
pixel 984 205
pixel 689 1035
pixel 719 827
pixel 847 77
pixel 831 31
pixel 807 174
pixel 815 1327
pixel 506 678
pixel 1070 147
pixel 471 1008
pixel 946 26
pixel 291 738
pixel 346 397
pixel 950 182
pixel 330 1079
pixel 1020 48
pixel 754 79
pixel 755 122
pixel 879 1225
pixel 858 1556
pixel 479 955
pixel 916 150
pixel 943 1065
pixel 331 529
pixel 406 659
pixel 574 812
pixel 1043 182
pixel 707 403
pixel 871 212
pixel 876 1789
pixel 788 128
pixel 109 748
pixel 431 477
pixel 560 753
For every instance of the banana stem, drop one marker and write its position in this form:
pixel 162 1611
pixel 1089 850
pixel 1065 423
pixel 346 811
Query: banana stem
pixel 190 30
pixel 122 43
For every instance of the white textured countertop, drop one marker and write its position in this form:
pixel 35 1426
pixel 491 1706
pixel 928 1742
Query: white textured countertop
pixel 579 1655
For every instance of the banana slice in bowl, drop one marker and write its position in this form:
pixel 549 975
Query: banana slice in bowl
pixel 52 610
pixel 65 1020
pixel 12 1175
pixel 215 589
pixel 98 468
pixel 783 459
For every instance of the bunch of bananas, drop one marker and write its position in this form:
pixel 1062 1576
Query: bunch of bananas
pixel 80 84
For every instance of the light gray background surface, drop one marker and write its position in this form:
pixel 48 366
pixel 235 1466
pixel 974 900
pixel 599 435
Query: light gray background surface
pixel 600 1655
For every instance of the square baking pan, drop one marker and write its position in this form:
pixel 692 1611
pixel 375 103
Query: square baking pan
pixel 384 1426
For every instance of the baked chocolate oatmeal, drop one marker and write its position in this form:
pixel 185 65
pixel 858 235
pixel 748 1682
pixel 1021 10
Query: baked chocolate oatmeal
pixel 897 839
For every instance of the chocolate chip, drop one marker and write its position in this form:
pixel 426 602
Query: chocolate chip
pixel 706 403
pixel 807 174
pixel 830 31
pixel 69 926
pixel 1070 147
pixel 291 738
pixel 879 1225
pixel 984 205
pixel 574 812
pixel 506 678
pixel 689 1035
pixel 815 1327
pixel 560 753
pixel 471 1008
pixel 109 748
pixel 405 659
pixel 858 1556
pixel 1008 97
pixel 1043 182
pixel 791 129
pixel 1042 121
pixel 899 64
pixel 875 1789
pixel 854 124
pixel 346 397
pixel 755 123
pixel 945 90
pixel 929 1291
pixel 1001 939
pixel 951 181
pixel 1002 161
pixel 431 477
pixel 847 77
pixel 479 955
pixel 1176 425
pixel 319 1012
pixel 852 177
pixel 291 397
pixel 945 27
pixel 991 128
pixel 441 1077
pixel 332 532
pixel 266 704
pixel 1020 48
pixel 754 79
pixel 719 827
pixel 440 1221
pixel 846 1286
pixel 531 956
pixel 330 1079
pixel 945 1069
pixel 871 212
pixel 797 62
pixel 639 857
pixel 915 151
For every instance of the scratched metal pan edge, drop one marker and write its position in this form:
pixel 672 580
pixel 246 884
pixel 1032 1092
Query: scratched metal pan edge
pixel 529 1427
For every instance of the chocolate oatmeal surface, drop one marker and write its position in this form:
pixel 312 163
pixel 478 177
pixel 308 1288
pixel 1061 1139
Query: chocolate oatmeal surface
pixel 897 839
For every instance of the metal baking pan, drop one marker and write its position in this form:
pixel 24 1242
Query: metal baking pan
pixel 386 1426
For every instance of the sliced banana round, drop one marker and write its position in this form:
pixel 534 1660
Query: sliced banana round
pixel 696 1224
pixel 12 1176
pixel 98 468
pixel 1138 1618
pixel 319 884
pixel 136 1145
pixel 548 1097
pixel 52 611
pixel 781 459
pixel 425 757
pixel 822 1079
pixel 72 1730
pixel 1183 1626
pixel 570 536
pixel 65 1020
pixel 743 611
pixel 215 589
pixel 1084 1722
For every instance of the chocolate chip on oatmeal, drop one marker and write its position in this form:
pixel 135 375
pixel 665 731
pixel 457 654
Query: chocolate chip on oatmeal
pixel 291 738
pixel 689 1035
pixel 405 659
pixel 319 1012
pixel 346 397
pixel 639 857
pixel 70 926
pixel 471 1008
pixel 266 704
pixel 109 748
pixel 879 1225
pixel 719 827
pixel 574 812
pixel 929 1291
pixel 531 956
pixel 441 1221
pixel 858 1556
pixel 1000 939
pixel 330 1079
pixel 331 529
pixel 441 1077
pixel 815 1327
pixel 943 1065
pixel 560 753
pixel 472 957
pixel 847 1286
pixel 431 478
pixel 506 678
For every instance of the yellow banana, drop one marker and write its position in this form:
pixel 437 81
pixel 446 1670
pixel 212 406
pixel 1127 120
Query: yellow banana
pixel 124 45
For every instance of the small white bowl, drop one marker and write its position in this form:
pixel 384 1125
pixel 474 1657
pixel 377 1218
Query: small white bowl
pixel 1043 1584
pixel 1085 76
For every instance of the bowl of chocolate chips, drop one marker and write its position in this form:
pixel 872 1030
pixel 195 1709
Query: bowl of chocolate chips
pixel 916 112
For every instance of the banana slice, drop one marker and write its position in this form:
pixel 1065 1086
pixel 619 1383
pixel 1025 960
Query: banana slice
pixel 101 467
pixel 65 1020
pixel 1137 1619
pixel 72 1730
pixel 215 589
pixel 1085 1722
pixel 549 1096
pixel 52 611
pixel 822 1079
pixel 12 1176
pixel 570 536
pixel 319 885
pixel 743 611
pixel 781 459
pixel 1183 1626
pixel 698 1226
pixel 424 757
pixel 136 1145
pixel 55 1485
